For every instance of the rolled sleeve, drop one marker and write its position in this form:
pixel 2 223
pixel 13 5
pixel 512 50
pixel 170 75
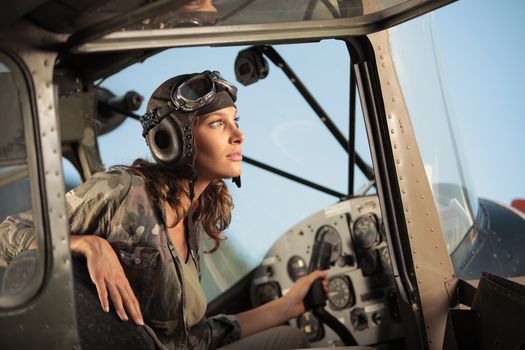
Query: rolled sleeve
pixel 224 329
pixel 16 233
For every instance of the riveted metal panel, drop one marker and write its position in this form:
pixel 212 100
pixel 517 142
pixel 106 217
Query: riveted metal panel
pixel 47 320
pixel 433 268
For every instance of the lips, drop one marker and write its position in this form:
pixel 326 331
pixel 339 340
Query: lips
pixel 235 156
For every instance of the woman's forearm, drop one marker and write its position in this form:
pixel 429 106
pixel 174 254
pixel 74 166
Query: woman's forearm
pixel 265 316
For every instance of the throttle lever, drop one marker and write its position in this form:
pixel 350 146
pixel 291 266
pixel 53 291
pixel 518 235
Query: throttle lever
pixel 320 260
pixel 315 299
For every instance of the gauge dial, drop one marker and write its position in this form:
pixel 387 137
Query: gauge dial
pixel 296 267
pixel 329 234
pixel 366 232
pixel 310 326
pixel 267 292
pixel 341 294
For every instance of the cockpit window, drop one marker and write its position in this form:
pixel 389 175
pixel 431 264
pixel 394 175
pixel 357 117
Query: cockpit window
pixel 281 130
pixel 21 269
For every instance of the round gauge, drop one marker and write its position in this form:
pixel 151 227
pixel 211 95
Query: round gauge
pixel 367 261
pixel 359 319
pixel 296 267
pixel 310 326
pixel 329 234
pixel 365 232
pixel 267 292
pixel 341 294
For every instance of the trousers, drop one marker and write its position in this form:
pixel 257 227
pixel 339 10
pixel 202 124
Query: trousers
pixel 277 338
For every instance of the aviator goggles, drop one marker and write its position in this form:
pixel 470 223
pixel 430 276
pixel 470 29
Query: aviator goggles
pixel 198 91
pixel 189 96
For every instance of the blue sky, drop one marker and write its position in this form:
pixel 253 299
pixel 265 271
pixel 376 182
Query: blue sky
pixel 481 51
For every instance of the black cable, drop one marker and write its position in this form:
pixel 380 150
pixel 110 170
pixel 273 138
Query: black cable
pixel 332 322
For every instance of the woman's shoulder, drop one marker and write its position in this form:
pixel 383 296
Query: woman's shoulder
pixel 114 182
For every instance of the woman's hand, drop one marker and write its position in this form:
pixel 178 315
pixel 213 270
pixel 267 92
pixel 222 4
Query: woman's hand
pixel 296 294
pixel 108 276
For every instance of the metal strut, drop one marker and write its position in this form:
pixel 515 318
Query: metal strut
pixel 270 52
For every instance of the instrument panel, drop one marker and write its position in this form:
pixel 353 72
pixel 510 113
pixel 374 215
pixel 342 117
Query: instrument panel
pixel 362 292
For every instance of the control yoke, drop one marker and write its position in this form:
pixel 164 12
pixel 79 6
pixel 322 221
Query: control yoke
pixel 315 299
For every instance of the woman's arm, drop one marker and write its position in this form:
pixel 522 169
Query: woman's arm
pixel 280 310
pixel 108 276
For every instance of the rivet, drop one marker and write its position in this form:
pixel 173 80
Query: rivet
pixel 414 251
pixel 383 65
pixel 390 116
pixel 417 180
pixel 392 131
pixel 420 281
pixel 381 57
pixel 408 148
pixel 398 161
pixel 431 230
pixel 413 164
pixel 395 146
pixel 422 197
pixel 388 82
pixel 409 221
pixel 411 236
pixel 46 63
pixel 403 191
pixel 50 107
pixel 44 134
pixel 379 47
pixel 436 246
pixel 393 99
pixel 428 213
pixel 417 266
pixel 401 178
pixel 46 326
pixel 406 210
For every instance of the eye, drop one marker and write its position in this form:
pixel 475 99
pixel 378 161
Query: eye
pixel 216 123
pixel 236 120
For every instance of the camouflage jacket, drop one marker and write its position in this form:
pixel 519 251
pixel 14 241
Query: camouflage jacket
pixel 115 205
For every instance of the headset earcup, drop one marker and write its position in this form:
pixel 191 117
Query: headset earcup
pixel 165 142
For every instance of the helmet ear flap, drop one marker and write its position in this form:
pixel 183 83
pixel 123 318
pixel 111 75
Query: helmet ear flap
pixel 165 142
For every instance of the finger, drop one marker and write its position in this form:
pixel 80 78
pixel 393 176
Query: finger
pixel 116 299
pixel 316 275
pixel 102 294
pixel 131 303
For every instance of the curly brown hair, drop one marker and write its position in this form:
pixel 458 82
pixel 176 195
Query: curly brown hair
pixel 212 209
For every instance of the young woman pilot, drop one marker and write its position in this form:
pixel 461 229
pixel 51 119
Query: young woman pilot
pixel 134 233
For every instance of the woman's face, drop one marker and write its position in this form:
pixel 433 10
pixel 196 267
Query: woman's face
pixel 218 141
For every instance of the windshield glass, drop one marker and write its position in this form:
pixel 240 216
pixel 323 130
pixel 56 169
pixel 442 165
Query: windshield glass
pixel 419 72
pixel 228 12
pixel 280 129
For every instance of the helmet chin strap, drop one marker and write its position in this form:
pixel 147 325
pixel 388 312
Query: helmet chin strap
pixel 237 181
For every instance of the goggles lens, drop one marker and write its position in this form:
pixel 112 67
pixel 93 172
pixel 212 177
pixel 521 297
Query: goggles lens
pixel 195 88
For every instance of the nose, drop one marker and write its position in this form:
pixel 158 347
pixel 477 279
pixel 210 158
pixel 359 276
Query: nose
pixel 237 136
